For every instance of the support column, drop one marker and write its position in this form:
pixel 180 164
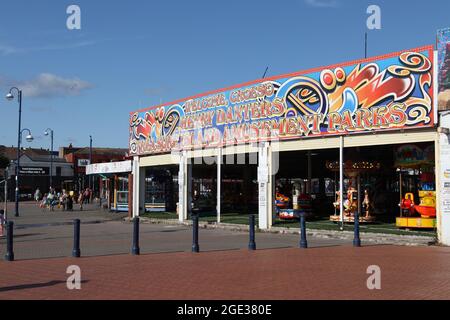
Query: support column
pixel 116 182
pixel 130 195
pixel 138 187
pixel 108 193
pixel 219 182
pixel 442 155
pixel 181 188
pixel 265 186
pixel 189 187
pixel 142 174
pixel 184 187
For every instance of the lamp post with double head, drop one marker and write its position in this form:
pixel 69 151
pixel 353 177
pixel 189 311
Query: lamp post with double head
pixel 10 96
pixel 47 132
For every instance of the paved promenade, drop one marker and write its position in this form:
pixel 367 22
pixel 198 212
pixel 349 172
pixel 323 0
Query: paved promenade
pixel 50 235
pixel 31 215
pixel 274 274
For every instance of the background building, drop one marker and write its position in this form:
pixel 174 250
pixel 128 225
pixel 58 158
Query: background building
pixel 80 157
pixel 35 171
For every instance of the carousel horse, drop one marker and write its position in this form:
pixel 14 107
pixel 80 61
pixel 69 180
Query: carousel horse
pixel 350 204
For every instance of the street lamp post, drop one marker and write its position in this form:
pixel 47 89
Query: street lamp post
pixel 47 131
pixel 29 138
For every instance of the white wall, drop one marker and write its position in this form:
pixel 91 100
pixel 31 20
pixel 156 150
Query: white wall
pixel 443 180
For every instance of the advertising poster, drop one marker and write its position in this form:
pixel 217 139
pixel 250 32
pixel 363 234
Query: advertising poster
pixel 443 47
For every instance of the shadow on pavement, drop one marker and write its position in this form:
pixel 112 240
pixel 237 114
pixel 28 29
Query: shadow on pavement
pixel 31 286
pixel 36 285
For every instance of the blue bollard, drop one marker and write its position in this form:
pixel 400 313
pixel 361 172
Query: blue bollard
pixel 135 250
pixel 76 252
pixel 195 247
pixel 9 241
pixel 356 239
pixel 252 243
pixel 303 241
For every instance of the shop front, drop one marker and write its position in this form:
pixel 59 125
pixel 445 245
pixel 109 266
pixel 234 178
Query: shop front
pixel 358 137
pixel 114 178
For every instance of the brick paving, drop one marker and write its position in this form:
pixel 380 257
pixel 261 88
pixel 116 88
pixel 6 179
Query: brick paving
pixel 332 269
pixel 272 274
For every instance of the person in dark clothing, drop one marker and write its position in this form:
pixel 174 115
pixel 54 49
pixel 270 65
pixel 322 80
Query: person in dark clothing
pixel 69 203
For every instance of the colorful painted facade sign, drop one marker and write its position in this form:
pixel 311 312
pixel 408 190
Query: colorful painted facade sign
pixel 383 93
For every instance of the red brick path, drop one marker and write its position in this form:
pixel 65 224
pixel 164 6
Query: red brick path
pixel 319 273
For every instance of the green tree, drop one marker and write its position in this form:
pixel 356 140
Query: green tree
pixel 4 162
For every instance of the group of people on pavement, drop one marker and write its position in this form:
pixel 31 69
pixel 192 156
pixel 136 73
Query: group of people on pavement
pixel 63 200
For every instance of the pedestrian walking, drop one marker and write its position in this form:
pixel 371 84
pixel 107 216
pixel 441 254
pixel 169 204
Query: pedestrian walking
pixel 70 201
pixel 37 195
pixel 86 195
pixel 51 201
pixel 63 200
pixel 81 200
pixel 43 204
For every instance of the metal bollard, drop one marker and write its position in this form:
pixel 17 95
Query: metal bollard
pixel 9 241
pixel 251 243
pixel 356 239
pixel 303 241
pixel 135 250
pixel 195 247
pixel 76 253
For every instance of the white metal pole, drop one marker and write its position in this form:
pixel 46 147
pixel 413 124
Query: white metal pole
pixel 219 179
pixel 5 214
pixel 341 180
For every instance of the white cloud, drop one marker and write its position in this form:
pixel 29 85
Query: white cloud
pixel 322 3
pixel 8 50
pixel 47 85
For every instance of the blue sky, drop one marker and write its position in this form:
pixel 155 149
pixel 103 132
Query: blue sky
pixel 134 54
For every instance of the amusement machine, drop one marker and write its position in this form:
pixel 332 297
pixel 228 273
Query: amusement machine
pixel 355 200
pixel 301 202
pixel 417 187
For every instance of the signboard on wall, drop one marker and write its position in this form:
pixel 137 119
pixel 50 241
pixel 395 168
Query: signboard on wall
pixel 389 92
pixel 445 176
pixel 34 171
pixel 109 167
pixel 83 162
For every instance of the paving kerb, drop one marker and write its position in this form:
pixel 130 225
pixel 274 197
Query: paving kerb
pixel 374 238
